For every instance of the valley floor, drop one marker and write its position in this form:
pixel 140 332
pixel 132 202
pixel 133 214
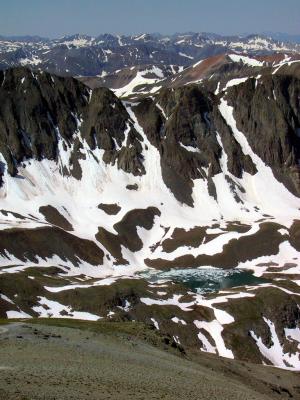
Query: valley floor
pixel 59 359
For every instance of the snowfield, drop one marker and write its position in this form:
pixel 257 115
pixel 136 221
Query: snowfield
pixel 42 183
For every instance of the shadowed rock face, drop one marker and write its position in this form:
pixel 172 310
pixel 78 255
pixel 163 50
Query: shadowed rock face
pixel 187 140
pixel 38 111
pixel 268 113
pixel 37 108
pixel 106 126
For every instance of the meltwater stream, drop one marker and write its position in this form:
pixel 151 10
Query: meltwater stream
pixel 205 280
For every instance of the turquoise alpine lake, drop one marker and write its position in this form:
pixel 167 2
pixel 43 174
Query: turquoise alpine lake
pixel 205 280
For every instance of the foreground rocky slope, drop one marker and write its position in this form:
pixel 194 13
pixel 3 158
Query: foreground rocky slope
pixel 119 361
pixel 95 189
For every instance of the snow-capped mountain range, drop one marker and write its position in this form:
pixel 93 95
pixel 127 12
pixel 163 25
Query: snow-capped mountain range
pixel 180 168
pixel 84 55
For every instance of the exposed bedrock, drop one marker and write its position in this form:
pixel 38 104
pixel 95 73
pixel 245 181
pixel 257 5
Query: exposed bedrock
pixel 186 137
pixel 36 109
pixel 267 111
pixel 28 245
pixel 42 116
pixel 127 234
pixel 39 110
pixel 265 242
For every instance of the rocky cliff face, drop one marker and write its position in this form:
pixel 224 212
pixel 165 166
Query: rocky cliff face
pixel 95 188
pixel 43 115
pixel 106 125
pixel 268 112
pixel 186 136
pixel 37 109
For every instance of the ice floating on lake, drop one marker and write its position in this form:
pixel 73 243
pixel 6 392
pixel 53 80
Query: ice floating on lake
pixel 205 280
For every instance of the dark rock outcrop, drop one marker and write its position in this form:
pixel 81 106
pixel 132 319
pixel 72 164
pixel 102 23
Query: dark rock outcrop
pixel 45 242
pixel 186 137
pixel 53 216
pixel 127 232
pixel 267 111
pixel 106 126
pixel 39 110
pixel 36 110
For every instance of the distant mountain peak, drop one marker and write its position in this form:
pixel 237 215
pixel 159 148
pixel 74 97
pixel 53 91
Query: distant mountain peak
pixel 84 55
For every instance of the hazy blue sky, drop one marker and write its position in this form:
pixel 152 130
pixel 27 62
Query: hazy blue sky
pixel 54 18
